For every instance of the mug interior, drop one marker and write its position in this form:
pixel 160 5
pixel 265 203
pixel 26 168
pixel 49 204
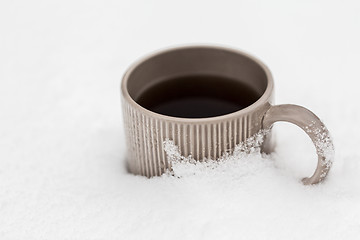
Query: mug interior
pixel 196 61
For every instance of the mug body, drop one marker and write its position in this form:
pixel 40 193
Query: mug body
pixel 202 138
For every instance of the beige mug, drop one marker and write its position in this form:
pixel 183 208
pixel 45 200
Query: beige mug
pixel 209 137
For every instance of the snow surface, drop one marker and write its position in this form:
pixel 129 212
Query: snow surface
pixel 62 174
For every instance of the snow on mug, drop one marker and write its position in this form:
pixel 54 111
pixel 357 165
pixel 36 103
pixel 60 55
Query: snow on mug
pixel 207 100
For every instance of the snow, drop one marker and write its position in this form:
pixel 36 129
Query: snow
pixel 62 149
pixel 324 146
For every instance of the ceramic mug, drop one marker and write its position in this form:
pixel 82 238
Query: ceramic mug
pixel 208 138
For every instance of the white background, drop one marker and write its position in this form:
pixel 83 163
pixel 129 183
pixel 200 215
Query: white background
pixel 61 139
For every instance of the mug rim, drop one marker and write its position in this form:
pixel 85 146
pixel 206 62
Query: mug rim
pixel 260 101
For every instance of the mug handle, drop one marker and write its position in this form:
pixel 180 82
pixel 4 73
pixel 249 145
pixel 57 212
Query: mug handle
pixel 314 128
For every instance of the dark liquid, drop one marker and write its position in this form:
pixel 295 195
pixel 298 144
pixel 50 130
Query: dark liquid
pixel 198 97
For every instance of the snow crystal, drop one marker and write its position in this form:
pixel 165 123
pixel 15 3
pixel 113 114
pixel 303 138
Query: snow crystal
pixel 324 146
pixel 251 146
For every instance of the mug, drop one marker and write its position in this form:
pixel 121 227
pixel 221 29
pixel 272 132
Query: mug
pixel 208 137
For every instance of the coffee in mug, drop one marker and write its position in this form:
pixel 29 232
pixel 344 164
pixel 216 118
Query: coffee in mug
pixel 207 100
